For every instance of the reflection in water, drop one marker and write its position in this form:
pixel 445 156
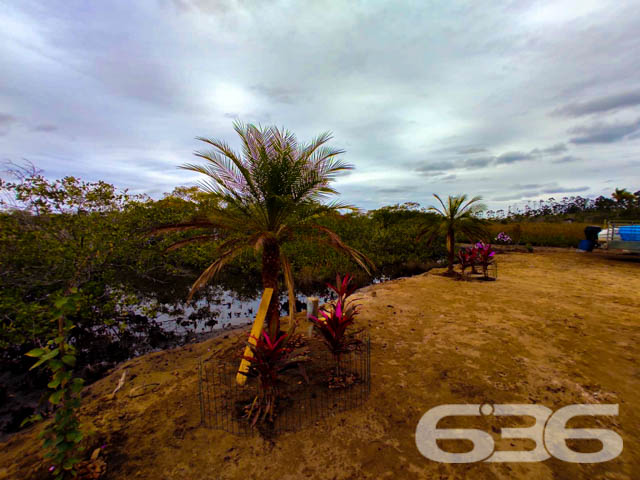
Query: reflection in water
pixel 225 304
pixel 219 309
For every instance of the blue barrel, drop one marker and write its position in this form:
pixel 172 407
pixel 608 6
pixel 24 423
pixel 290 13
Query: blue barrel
pixel 630 233
pixel 585 245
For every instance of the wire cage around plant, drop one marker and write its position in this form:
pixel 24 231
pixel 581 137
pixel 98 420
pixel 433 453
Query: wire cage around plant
pixel 318 389
pixel 479 273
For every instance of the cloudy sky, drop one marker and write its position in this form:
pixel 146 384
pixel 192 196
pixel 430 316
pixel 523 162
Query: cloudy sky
pixel 511 100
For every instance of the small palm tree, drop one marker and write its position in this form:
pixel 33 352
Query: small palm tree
pixel 458 215
pixel 623 197
pixel 268 195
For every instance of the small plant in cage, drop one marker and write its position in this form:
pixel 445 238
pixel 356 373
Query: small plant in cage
pixel 271 357
pixel 485 256
pixel 333 326
pixel 468 258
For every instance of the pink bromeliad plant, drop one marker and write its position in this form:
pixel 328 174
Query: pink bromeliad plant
pixel 486 256
pixel 467 258
pixel 481 254
pixel 335 320
pixel 271 356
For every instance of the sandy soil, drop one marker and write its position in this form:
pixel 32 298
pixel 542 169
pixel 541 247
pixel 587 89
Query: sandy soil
pixel 557 328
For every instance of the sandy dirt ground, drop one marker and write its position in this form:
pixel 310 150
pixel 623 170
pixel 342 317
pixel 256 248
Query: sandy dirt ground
pixel 556 328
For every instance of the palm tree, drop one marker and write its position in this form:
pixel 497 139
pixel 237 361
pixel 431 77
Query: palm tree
pixel 458 215
pixel 267 195
pixel 623 197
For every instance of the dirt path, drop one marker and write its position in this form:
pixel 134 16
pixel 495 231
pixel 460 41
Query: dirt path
pixel 557 328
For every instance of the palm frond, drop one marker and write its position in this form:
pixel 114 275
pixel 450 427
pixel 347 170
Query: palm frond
pixel 469 204
pixel 334 241
pixel 430 232
pixel 474 229
pixel 213 269
pixel 191 241
pixel 436 209
pixel 183 227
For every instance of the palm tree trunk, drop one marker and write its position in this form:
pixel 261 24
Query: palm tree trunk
pixel 270 271
pixel 450 249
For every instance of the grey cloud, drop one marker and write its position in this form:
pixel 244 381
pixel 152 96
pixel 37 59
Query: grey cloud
pixel 538 193
pixel 602 104
pixel 565 190
pixel 431 174
pixel 45 128
pixel 435 166
pixel 552 150
pixel 512 157
pixel 468 151
pixel 392 190
pixel 604 132
pixel 207 7
pixel 634 136
pixel 277 94
pixel 464 149
pixel 6 121
pixel 515 196
pixel 478 162
pixel 566 159
pixel 527 186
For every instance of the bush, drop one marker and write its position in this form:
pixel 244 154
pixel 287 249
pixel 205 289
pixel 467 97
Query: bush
pixel 542 233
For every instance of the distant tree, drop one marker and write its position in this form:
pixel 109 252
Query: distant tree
pixel 56 235
pixel 392 214
pixel 458 215
pixel 265 197
pixel 623 197
pixel 604 203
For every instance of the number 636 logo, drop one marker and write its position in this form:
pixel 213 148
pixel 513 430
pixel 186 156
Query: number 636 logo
pixel 548 433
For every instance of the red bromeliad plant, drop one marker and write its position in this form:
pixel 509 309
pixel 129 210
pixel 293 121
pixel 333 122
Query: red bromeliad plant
pixel 479 255
pixel 270 358
pixel 467 258
pixel 485 257
pixel 336 319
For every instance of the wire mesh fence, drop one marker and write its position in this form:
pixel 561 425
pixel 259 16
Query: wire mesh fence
pixel 317 389
pixel 478 273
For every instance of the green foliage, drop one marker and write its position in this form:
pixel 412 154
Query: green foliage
pixel 62 436
pixel 69 232
pixel 542 233
pixel 56 233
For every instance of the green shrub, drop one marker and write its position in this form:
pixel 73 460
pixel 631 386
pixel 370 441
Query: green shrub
pixel 542 233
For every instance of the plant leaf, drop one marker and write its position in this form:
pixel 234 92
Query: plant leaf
pixel 69 360
pixel 56 397
pixel 36 352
